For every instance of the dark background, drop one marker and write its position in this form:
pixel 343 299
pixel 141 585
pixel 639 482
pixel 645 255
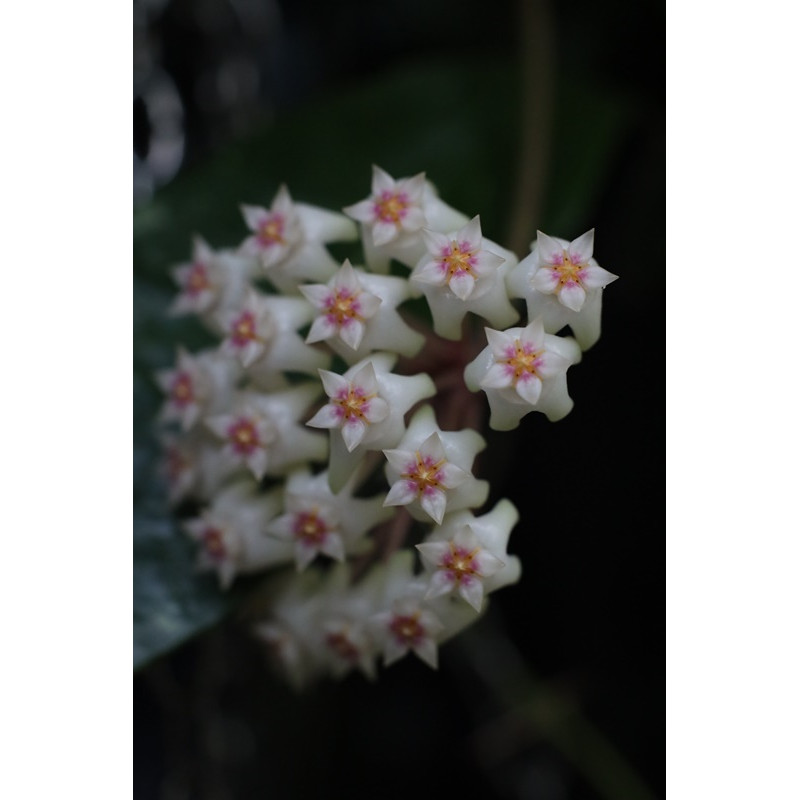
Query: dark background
pixel 559 692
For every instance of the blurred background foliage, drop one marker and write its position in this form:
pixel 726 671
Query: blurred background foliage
pixel 533 115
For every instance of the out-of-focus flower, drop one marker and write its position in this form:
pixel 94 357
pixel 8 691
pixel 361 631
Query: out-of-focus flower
pixel 198 385
pixel 262 333
pixel 318 521
pixel 263 433
pixel 393 215
pixel 232 533
pixel 562 284
pixel 210 281
pixel 467 554
pixel 288 239
pixel 523 370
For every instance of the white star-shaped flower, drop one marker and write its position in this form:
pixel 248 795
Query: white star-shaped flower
pixel 232 533
pixel 563 284
pixel 393 216
pixel 460 565
pixel 523 370
pixel 198 385
pixel 211 280
pixel 366 411
pixel 288 239
pixel 317 521
pixel 467 554
pixel 464 272
pixel 358 314
pixel 262 333
pixel 429 471
pixel 262 431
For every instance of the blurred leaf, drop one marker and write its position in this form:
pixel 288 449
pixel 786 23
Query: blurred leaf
pixel 171 602
pixel 457 122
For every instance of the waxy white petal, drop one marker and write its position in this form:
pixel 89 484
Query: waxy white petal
pixel 499 376
pixel 469 237
pixel 545 280
pixel 401 493
pixel 333 383
pixel 596 277
pixel 353 432
pixel 434 503
pixel 318 294
pixel 351 333
pixel 550 251
pixel 451 476
pixel 383 232
pixel 462 285
pixel 376 410
pixel 329 416
pixel 529 388
pixel 471 589
pixel 322 328
pixel 498 341
pixel 580 250
pixel 368 304
pixel 363 211
pixel 572 296
pixel 442 582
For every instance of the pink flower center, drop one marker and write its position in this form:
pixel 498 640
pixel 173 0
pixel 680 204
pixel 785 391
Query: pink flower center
pixel 460 562
pixel 407 629
pixel 270 231
pixel 342 646
pixel 458 260
pixel 243 329
pixel 354 403
pixel 342 306
pixel 424 473
pixel 197 280
pixel 569 272
pixel 243 436
pixel 176 464
pixel 182 390
pixel 522 360
pixel 310 527
pixel 214 544
pixel 391 206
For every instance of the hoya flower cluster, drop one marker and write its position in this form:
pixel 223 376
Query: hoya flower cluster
pixel 308 445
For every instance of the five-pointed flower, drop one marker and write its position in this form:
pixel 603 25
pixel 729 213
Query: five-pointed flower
pixel 345 306
pixel 563 284
pixel 232 536
pixel 358 314
pixel 459 564
pixel 288 239
pixel 262 432
pixel 354 405
pixel 522 370
pixel 460 262
pixel 366 411
pixel 429 471
pixel 263 332
pixel 464 272
pixel 425 475
pixel 209 281
pixel 199 384
pixel 393 208
pixel 317 521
